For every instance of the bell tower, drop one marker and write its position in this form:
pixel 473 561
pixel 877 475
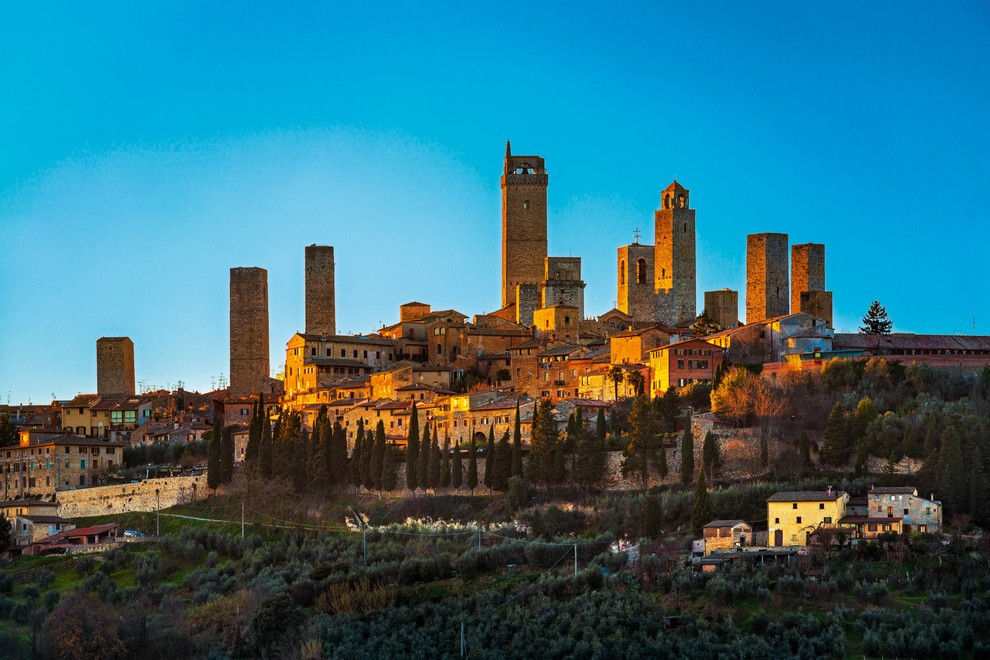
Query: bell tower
pixel 674 257
pixel 524 223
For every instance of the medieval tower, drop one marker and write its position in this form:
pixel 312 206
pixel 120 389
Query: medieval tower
pixel 722 306
pixel 114 366
pixel 674 257
pixel 321 318
pixel 524 223
pixel 636 287
pixel 562 283
pixel 249 356
pixel 808 292
pixel 766 277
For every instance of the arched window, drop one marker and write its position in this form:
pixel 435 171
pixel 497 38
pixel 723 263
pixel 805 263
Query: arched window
pixel 685 227
pixel 622 271
pixel 666 201
pixel 641 271
pixel 680 201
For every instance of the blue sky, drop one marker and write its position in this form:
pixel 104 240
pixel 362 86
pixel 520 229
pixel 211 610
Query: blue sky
pixel 148 149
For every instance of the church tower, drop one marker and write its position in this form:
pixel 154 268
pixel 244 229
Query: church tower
pixel 674 257
pixel 635 295
pixel 524 223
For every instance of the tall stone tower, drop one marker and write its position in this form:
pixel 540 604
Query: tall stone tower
pixel 114 366
pixel 321 315
pixel 636 292
pixel 562 283
pixel 524 222
pixel 722 306
pixel 249 353
pixel 674 257
pixel 808 292
pixel 766 276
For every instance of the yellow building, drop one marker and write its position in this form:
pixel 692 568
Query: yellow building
pixel 48 461
pixel 793 515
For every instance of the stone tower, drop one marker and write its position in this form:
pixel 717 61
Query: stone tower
pixel 562 284
pixel 674 257
pixel 524 222
pixel 766 277
pixel 321 314
pixel 723 307
pixel 114 366
pixel 249 352
pixel 527 302
pixel 808 292
pixel 636 292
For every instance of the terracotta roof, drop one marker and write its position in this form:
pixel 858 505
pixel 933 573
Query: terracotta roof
pixel 82 400
pixel 355 339
pixel 337 362
pixel 77 533
pixel 635 332
pixel 910 341
pixel 806 496
pixel 4 505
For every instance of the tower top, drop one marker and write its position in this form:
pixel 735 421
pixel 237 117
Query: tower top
pixel 522 164
pixel 675 196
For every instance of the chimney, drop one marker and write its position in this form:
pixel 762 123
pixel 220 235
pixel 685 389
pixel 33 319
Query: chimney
pixel 828 490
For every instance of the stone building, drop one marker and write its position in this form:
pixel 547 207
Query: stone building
pixel 44 462
pixel 562 284
pixel 524 222
pixel 766 277
pixel 636 286
pixel 321 310
pixel 114 366
pixel 314 362
pixel 723 307
pixel 683 363
pixel 249 356
pixel 674 257
pixel 808 292
pixel 557 323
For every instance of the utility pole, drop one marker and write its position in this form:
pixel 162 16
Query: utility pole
pixel 242 519
pixel 479 539
pixel 158 509
pixel 575 560
pixel 463 645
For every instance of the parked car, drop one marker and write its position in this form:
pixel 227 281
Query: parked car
pixel 133 533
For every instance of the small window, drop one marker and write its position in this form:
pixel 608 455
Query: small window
pixel 794 505
pixel 525 203
pixel 799 520
pixel 776 521
pixel 828 520
pixel 821 505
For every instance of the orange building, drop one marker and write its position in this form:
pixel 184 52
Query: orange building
pixel 681 364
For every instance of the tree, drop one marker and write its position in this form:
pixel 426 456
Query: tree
pixel 266 449
pixel 644 446
pixel 543 441
pixel 435 460
pixel 668 407
pixel 687 453
pixel 472 469
pixel 254 437
pixel 388 477
pixel 502 464
pixel 214 470
pixel 705 325
pixel 558 473
pixel 5 532
pixel 423 460
pixel 601 428
pixel 652 518
pixel 701 510
pixel 319 459
pixel 836 444
pixel 490 458
pixel 378 454
pixel 8 431
pixel 635 380
pixel 711 457
pixel 412 450
pixel 84 627
pixel 445 463
pixel 517 464
pixel 456 468
pixel 337 447
pixel 876 322
pixel 764 447
pixel 359 470
pixel 227 454
pixel 616 375
pixel 589 461
pixel 951 472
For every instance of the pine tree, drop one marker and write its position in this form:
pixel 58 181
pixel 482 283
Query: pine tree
pixel 687 453
pixel 412 450
pixel 456 468
pixel 379 471
pixel 876 321
pixel 423 460
pixel 502 463
pixel 472 469
pixel 517 463
pixel 445 463
pixel 266 449
pixel 214 471
pixel 836 445
pixel 652 518
pixel 490 458
pixel 951 472
pixel 701 510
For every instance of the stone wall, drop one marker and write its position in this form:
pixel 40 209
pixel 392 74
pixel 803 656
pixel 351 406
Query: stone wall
pixel 766 277
pixel 817 303
pixel 131 497
pixel 249 350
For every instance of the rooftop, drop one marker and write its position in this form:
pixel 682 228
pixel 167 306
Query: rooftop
pixel 806 496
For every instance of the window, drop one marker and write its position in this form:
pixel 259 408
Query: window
pixel 312 351
pixel 799 520
pixel 776 521
pixel 130 416
pixel 821 505
pixel 525 203
pixel 82 464
pixel 680 364
pixel 82 479
pixel 793 505
pixel 828 520
pixel 907 511
pixel 622 272
pixel 641 271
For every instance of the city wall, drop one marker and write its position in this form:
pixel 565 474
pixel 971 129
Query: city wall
pixel 144 496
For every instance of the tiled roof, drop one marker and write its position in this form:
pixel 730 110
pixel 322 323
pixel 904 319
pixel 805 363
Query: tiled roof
pixel 910 341
pixel 726 523
pixel 12 503
pixel 82 400
pixel 353 339
pixel 46 520
pixel 893 490
pixel 806 496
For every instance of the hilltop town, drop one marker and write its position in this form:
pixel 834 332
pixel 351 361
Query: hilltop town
pixel 668 444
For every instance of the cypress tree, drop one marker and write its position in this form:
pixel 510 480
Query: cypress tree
pixel 388 476
pixel 359 470
pixel 711 458
pixel 701 511
pixel 502 463
pixel 836 446
pixel 490 457
pixel 378 471
pixel 297 458
pixel 472 469
pixel 412 450
pixel 951 472
pixel 456 468
pixel 559 472
pixel 600 429
pixel 445 463
pixel 338 455
pixel 589 461
pixel 435 460
pixel 214 476
pixel 687 453
pixel 517 464
pixel 254 439
pixel 423 460
pixel 543 441
pixel 266 449
pixel 652 517
pixel 613 424
pixel 932 433
pixel 227 454
pixel 644 448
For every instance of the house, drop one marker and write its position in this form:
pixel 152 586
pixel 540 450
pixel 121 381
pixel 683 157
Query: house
pixel 902 502
pixel 27 529
pixel 726 534
pixel 869 528
pixel 792 516
pixel 63 541
pixel 44 462
pixel 634 346
pixel 683 363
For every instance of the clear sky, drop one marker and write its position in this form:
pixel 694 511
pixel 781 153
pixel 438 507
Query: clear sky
pixel 146 148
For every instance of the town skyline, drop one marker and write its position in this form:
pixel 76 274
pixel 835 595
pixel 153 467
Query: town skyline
pixel 131 229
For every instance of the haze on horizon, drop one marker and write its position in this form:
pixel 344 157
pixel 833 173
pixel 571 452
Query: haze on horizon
pixel 147 150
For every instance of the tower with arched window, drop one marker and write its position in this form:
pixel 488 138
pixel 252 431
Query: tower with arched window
pixel 524 222
pixel 635 280
pixel 674 257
